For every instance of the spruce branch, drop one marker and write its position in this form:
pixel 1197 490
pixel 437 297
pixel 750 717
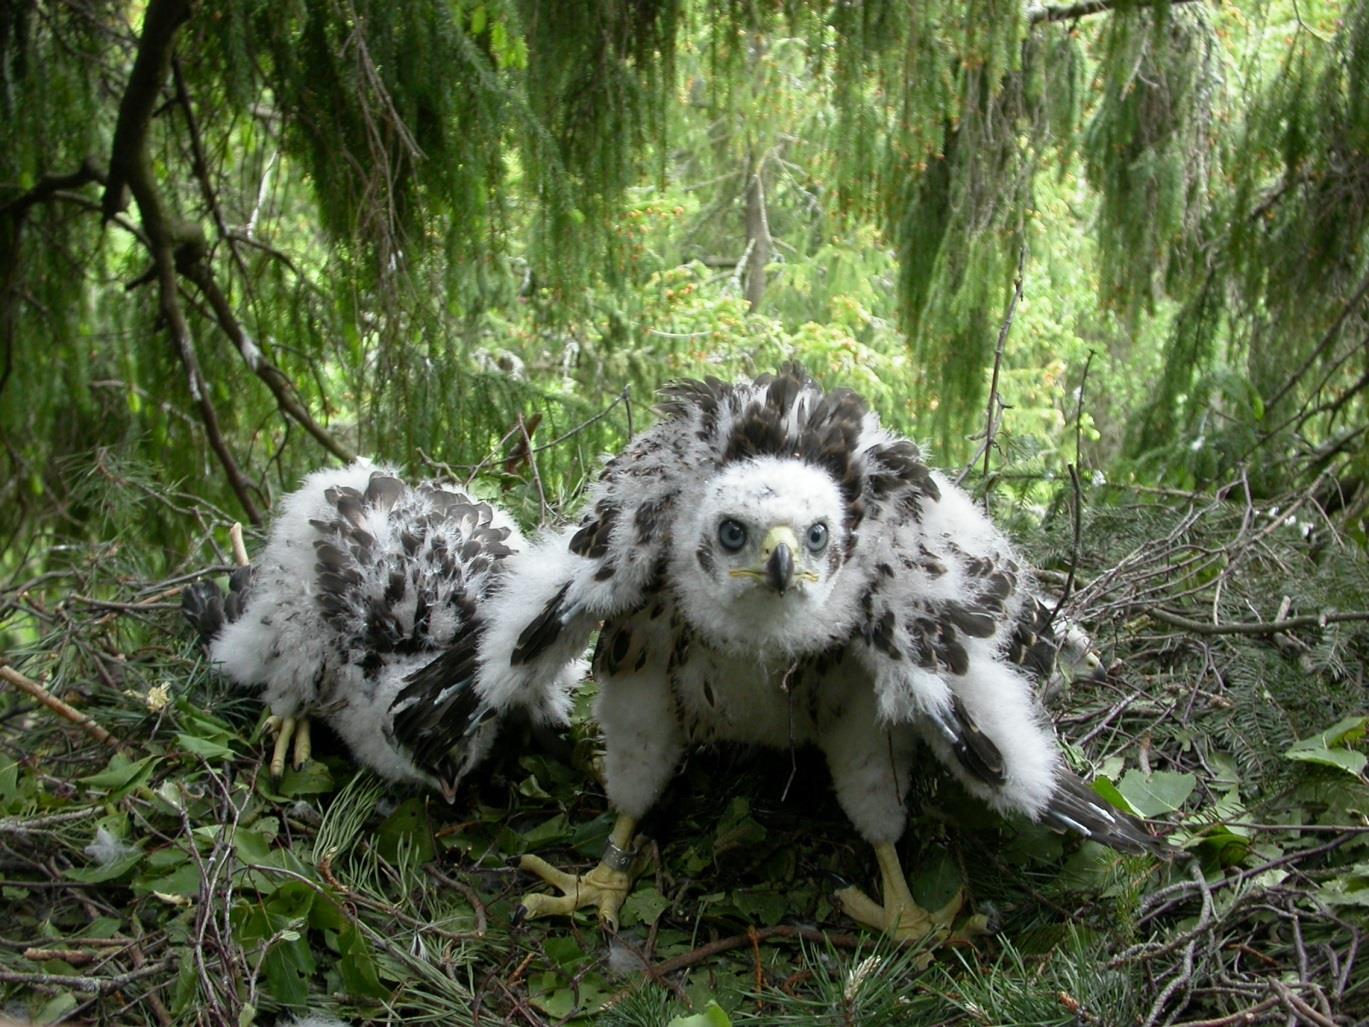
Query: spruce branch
pixel 130 171
pixel 50 186
pixel 1198 627
pixel 1042 13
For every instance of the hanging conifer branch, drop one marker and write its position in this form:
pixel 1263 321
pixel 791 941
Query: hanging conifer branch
pixel 50 185
pixel 129 170
pixel 191 264
pixel 287 399
pixel 1038 14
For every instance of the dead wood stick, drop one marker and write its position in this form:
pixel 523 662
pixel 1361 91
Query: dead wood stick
pixel 58 707
pixel 239 550
pixel 1199 627
pixel 752 937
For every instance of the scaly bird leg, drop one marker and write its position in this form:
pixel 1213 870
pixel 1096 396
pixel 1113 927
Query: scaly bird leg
pixel 900 917
pixel 286 729
pixel 605 887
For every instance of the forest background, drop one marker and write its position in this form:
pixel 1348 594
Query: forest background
pixel 1106 258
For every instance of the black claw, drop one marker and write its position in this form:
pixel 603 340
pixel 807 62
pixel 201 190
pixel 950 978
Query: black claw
pixel 519 915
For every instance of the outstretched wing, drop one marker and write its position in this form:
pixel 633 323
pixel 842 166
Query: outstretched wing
pixel 952 635
pixel 611 561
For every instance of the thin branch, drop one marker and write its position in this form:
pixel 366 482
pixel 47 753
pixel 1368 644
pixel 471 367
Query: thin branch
pixel 49 186
pixel 192 266
pixel 1240 1019
pixel 1328 337
pixel 997 364
pixel 752 937
pixel 85 982
pixel 57 706
pixel 1041 13
pixel 1078 494
pixel 1198 627
pixel 130 170
pixel 199 163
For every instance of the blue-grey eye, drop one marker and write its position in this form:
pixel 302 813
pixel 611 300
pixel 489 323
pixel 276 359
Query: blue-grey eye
pixel 732 535
pixel 817 537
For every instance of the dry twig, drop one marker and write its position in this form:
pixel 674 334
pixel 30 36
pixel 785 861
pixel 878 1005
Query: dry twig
pixel 57 706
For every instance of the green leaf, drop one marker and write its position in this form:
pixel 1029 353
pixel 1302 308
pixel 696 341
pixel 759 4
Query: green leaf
pixel 1328 748
pixel 286 969
pixel 935 881
pixel 250 846
pixel 1350 888
pixel 768 907
pixel 555 1002
pixel 187 981
pixel 9 781
pixel 549 832
pixel 357 965
pixel 531 788
pixel 56 1009
pixel 1163 791
pixel 204 747
pixel 183 881
pixel 115 868
pixel 643 907
pixel 314 778
pixel 736 829
pixel 121 775
pixel 1344 732
pixel 1109 791
pixel 407 826
pixel 566 952
pixel 1348 760
pixel 713 1016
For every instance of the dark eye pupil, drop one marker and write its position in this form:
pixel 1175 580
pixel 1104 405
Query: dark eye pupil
pixel 817 537
pixel 732 535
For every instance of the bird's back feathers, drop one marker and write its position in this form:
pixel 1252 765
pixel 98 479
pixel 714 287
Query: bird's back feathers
pixel 365 609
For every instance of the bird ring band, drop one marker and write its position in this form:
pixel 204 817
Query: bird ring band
pixel 616 858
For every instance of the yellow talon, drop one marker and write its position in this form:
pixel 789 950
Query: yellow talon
pixel 900 917
pixel 285 730
pixel 304 747
pixel 604 888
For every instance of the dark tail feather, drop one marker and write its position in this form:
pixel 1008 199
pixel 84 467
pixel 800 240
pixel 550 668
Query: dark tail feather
pixel 438 705
pixel 1077 807
pixel 207 609
pixel 239 588
pixel 202 607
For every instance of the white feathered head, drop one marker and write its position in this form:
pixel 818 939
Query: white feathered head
pixel 755 560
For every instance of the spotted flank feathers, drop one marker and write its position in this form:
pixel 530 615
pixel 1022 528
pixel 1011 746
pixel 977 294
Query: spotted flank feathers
pixel 365 610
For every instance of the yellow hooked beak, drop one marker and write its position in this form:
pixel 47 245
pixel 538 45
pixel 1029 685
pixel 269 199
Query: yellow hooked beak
pixel 776 566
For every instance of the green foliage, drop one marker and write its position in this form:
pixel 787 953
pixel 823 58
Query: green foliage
pixel 472 238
